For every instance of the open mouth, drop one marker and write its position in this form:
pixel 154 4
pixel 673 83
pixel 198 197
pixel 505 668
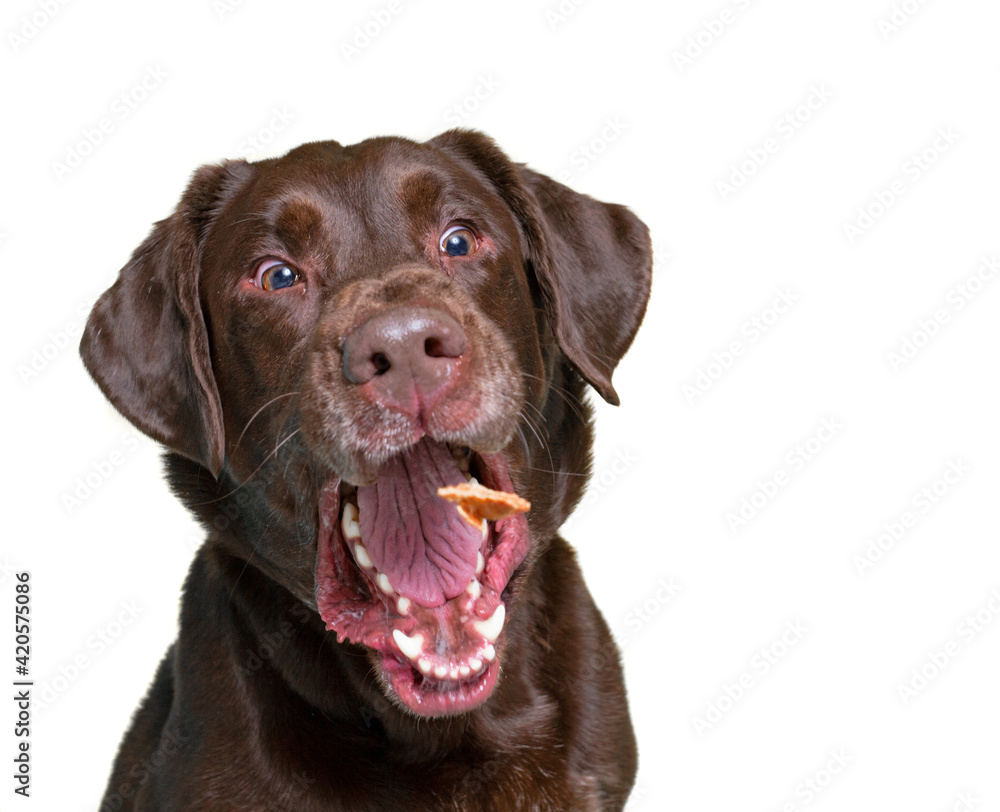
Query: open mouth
pixel 399 571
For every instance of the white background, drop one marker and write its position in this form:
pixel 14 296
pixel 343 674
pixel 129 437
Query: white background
pixel 692 601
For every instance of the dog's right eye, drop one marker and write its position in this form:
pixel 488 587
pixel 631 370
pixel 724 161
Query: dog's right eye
pixel 275 275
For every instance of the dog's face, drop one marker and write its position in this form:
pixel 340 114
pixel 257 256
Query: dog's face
pixel 335 334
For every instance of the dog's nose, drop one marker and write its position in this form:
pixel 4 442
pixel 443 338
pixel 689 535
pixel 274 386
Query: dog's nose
pixel 404 352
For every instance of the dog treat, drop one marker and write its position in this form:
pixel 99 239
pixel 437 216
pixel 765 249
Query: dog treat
pixel 476 502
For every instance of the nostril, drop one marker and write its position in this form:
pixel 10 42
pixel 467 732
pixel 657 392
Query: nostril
pixel 434 348
pixel 381 362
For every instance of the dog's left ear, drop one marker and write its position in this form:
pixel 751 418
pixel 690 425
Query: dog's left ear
pixel 592 260
pixel 146 344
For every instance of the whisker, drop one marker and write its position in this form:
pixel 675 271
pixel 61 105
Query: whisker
pixel 541 414
pixel 570 401
pixel 538 436
pixel 272 400
pixel 253 473
pixel 524 442
pixel 550 471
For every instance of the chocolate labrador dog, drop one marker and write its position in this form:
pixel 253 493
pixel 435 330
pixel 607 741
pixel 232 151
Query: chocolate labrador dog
pixel 321 341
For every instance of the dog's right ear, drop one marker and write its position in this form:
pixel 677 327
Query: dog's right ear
pixel 145 342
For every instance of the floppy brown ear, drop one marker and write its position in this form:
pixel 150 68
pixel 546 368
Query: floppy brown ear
pixel 592 260
pixel 145 342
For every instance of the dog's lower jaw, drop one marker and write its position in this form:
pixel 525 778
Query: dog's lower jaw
pixel 438 653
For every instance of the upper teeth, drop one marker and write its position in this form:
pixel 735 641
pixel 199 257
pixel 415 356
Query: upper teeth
pixel 490 628
pixel 349 522
pixel 361 554
pixel 384 583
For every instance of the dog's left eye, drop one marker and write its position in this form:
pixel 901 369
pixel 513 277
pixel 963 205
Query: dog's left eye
pixel 275 275
pixel 458 241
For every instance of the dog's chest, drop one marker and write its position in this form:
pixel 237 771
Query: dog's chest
pixel 501 784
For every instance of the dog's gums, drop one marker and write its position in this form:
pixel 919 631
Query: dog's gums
pixel 399 571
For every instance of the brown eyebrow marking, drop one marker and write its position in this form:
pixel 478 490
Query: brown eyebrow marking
pixel 300 226
pixel 421 194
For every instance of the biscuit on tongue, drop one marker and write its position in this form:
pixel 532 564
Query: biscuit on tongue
pixel 412 535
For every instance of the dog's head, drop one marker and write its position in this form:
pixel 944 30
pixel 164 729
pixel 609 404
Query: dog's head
pixel 322 340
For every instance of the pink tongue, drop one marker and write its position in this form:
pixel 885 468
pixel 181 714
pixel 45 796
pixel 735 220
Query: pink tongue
pixel 413 535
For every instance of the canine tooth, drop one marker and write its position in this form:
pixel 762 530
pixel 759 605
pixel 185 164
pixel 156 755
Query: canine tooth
pixel 383 583
pixel 441 672
pixel 424 665
pixel 471 479
pixel 349 522
pixel 480 563
pixel 475 664
pixel 489 653
pixel 486 530
pixel 490 628
pixel 474 589
pixel 361 554
pixel 410 646
pixel 403 606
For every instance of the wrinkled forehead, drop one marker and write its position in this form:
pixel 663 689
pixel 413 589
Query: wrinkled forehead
pixel 364 193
